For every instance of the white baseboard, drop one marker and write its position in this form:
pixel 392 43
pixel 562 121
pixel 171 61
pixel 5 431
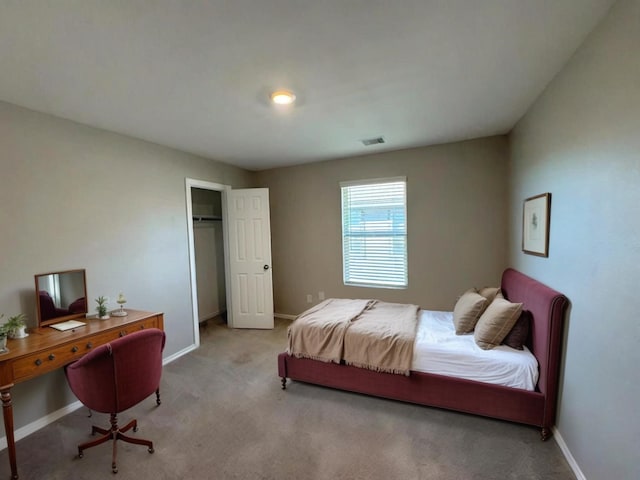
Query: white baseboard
pixel 567 455
pixel 179 354
pixel 42 422
pixel 285 316
pixel 36 425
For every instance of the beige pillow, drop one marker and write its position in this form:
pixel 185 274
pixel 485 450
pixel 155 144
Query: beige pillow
pixel 489 293
pixel 496 322
pixel 467 311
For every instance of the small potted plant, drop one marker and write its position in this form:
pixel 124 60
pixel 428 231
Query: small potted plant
pixel 16 326
pixel 102 307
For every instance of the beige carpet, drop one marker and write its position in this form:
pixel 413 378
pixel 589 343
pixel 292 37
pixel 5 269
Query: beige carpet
pixel 224 416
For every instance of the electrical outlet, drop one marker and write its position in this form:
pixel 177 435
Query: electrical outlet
pixel 309 298
pixel 320 295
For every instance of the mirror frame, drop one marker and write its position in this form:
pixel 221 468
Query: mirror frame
pixel 63 318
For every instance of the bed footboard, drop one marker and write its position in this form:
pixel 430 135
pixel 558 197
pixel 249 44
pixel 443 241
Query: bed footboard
pixel 420 388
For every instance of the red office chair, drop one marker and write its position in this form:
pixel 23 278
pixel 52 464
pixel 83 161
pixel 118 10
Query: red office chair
pixel 115 377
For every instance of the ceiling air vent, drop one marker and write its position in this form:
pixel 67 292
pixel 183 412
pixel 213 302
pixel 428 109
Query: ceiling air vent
pixel 372 141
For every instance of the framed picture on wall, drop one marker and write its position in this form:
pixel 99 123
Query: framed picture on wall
pixel 535 225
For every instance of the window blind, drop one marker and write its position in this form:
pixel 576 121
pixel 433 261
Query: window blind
pixel 374 233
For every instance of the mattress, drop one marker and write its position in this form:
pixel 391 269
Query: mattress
pixel 439 350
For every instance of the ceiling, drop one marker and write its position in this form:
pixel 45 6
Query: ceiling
pixel 196 75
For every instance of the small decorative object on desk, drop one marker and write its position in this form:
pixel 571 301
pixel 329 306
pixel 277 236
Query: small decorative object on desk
pixel 122 312
pixel 16 326
pixel 102 307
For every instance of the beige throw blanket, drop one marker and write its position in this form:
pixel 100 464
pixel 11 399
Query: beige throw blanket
pixel 382 339
pixel 364 333
pixel 318 333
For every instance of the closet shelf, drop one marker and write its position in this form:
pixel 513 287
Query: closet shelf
pixel 206 218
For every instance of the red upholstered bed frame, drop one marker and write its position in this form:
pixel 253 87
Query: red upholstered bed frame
pixel 536 408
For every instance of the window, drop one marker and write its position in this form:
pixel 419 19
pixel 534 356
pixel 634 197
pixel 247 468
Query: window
pixel 374 232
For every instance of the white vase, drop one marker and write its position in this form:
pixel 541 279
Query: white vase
pixel 19 332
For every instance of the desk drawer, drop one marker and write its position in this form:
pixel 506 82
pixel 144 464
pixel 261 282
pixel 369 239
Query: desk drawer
pixel 39 363
pixel 46 361
pixel 151 322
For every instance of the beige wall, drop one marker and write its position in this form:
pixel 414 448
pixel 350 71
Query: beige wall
pixel 457 214
pixel 581 142
pixel 78 197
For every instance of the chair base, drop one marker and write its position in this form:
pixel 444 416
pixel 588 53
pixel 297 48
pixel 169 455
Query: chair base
pixel 115 433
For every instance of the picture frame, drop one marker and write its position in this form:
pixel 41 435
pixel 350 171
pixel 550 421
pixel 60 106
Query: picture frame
pixel 536 216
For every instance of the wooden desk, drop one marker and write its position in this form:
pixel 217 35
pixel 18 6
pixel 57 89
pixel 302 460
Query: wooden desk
pixel 46 349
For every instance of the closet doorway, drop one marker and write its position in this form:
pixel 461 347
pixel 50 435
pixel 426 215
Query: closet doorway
pixel 207 252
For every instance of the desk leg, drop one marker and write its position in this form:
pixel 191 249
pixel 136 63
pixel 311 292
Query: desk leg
pixel 7 413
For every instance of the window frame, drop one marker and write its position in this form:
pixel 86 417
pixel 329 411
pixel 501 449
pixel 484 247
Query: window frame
pixel 347 278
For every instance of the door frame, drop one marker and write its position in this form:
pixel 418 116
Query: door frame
pixel 223 189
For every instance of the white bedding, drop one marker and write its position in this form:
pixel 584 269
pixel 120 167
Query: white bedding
pixel 439 350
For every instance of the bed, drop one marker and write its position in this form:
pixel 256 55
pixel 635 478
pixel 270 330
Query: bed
pixel 537 407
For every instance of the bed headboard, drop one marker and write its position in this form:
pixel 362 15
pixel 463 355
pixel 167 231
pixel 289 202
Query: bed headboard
pixel 547 308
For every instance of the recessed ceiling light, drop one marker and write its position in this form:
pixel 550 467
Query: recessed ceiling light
pixel 283 97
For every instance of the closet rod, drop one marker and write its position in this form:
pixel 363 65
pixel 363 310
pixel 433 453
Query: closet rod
pixel 206 218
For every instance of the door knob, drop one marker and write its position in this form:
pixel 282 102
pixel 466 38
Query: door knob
pixel 266 267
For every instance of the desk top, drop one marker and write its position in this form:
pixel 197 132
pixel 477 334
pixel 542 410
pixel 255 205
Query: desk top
pixel 41 339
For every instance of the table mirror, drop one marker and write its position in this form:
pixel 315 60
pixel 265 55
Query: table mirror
pixel 61 296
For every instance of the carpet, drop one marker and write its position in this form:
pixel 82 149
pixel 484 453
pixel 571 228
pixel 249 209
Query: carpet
pixel 224 416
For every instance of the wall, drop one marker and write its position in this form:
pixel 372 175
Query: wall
pixel 581 142
pixel 78 197
pixel 457 223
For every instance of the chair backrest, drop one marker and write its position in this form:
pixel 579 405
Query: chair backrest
pixel 78 306
pixel 47 307
pixel 120 374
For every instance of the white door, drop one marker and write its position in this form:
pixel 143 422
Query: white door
pixel 250 258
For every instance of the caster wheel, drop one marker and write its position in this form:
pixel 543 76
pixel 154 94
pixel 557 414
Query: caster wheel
pixel 114 470
pixel 151 450
pixel 80 455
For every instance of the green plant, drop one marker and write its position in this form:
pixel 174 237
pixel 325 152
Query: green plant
pixel 102 306
pixel 14 324
pixel 17 321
